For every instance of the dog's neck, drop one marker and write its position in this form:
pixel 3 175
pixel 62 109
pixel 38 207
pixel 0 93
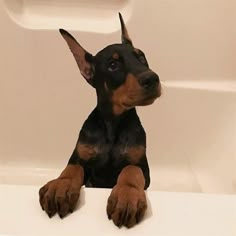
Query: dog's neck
pixel 112 120
pixel 111 112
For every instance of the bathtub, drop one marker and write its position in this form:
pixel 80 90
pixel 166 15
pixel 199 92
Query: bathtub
pixel 191 129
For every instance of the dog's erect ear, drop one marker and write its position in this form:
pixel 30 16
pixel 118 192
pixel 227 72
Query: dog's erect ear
pixel 85 60
pixel 124 36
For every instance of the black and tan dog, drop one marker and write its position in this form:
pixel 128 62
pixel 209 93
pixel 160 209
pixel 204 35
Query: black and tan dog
pixel 111 148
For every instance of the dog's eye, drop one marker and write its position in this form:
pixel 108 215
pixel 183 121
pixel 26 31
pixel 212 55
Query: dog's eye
pixel 113 66
pixel 142 59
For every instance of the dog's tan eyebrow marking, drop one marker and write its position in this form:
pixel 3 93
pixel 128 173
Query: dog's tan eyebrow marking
pixel 115 56
pixel 136 51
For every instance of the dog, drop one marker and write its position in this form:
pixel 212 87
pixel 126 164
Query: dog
pixel 111 148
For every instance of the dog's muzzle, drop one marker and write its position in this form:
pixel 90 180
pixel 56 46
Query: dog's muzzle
pixel 150 82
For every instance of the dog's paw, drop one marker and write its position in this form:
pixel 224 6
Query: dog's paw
pixel 59 196
pixel 126 205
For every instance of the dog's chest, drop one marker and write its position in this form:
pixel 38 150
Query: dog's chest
pixel 112 145
pixel 116 155
pixel 109 153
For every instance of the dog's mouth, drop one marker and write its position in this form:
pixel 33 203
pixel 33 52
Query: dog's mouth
pixel 149 96
pixel 142 98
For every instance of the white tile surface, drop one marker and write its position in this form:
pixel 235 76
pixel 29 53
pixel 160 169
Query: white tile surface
pixel 191 129
pixel 169 214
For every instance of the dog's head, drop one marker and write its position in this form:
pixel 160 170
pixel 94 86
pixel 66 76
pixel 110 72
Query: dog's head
pixel 120 72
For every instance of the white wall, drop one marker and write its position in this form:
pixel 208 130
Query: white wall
pixel 43 97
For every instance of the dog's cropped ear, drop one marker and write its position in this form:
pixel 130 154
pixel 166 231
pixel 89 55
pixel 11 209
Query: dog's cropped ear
pixel 124 33
pixel 85 60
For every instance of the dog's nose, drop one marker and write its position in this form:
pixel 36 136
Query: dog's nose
pixel 149 81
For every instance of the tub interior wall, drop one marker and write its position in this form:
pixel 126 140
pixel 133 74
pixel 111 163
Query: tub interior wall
pixel 191 132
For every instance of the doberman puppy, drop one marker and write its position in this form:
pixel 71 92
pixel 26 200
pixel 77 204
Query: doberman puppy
pixel 111 148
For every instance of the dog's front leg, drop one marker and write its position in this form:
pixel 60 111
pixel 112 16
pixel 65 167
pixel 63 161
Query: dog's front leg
pixel 127 202
pixel 61 195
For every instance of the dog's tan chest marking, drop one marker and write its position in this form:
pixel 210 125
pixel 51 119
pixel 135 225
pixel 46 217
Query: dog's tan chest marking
pixel 133 154
pixel 87 151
